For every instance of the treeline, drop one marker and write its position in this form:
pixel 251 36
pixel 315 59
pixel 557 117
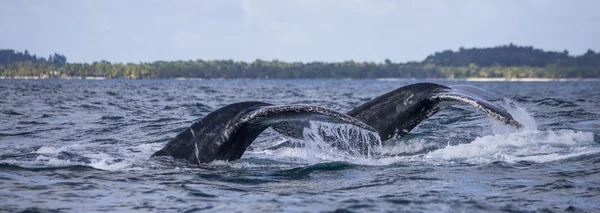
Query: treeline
pixel 512 55
pixel 11 56
pixel 224 69
pixel 507 61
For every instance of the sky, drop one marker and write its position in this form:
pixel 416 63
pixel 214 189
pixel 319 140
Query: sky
pixel 291 30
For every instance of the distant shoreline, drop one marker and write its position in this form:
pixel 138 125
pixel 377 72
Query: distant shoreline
pixel 378 79
pixel 500 63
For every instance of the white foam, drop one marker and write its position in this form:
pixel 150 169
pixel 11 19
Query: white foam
pixel 45 160
pixel 306 155
pixel 529 145
pixel 59 162
pixel 404 147
pixel 124 158
pixel 147 149
pixel 110 164
pixel 49 150
pixel 105 157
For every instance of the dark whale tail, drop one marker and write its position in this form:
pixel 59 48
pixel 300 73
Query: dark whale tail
pixel 226 133
pixel 399 111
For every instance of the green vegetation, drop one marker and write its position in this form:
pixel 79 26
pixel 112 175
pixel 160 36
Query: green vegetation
pixel 508 61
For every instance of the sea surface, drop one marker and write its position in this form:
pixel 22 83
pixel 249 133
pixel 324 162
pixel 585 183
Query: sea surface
pixel 85 146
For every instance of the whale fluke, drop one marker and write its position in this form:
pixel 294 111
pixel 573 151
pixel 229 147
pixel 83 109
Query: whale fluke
pixel 399 111
pixel 226 133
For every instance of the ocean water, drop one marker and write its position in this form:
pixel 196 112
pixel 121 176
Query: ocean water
pixel 85 146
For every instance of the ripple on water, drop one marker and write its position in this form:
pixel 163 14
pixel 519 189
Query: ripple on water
pixel 79 146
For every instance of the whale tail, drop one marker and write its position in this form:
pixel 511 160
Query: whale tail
pixel 399 111
pixel 226 133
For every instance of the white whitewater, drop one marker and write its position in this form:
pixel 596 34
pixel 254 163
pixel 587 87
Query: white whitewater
pixel 511 145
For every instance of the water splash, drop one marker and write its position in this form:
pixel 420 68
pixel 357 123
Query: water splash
pixel 332 142
pixel 344 137
pixel 519 114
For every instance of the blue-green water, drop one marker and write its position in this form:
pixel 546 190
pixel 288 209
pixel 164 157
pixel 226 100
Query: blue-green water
pixel 84 146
